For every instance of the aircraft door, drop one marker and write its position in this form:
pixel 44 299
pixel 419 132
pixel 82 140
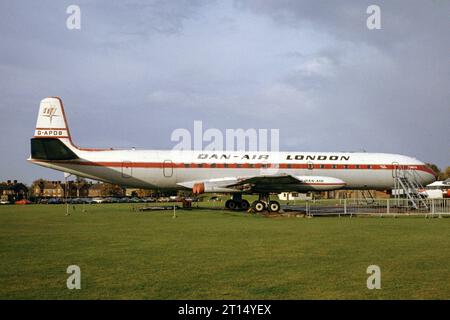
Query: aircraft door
pixel 168 168
pixel 395 169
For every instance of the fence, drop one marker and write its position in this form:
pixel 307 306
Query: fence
pixel 378 207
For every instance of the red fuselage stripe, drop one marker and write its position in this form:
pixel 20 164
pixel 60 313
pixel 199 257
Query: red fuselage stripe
pixel 246 165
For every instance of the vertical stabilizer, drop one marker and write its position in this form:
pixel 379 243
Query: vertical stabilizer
pixel 51 121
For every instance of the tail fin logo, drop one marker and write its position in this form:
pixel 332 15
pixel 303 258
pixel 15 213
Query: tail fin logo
pixel 49 112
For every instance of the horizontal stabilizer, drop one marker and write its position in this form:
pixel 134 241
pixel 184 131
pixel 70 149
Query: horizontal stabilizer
pixel 50 149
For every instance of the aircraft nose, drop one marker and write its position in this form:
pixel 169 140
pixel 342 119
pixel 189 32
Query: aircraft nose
pixel 428 175
pixel 430 178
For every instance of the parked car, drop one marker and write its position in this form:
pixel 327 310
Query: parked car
pixel 79 201
pixel 98 200
pixel 87 200
pixel 4 202
pixel 55 201
pixel 23 201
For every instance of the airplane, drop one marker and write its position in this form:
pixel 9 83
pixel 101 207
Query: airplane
pixel 232 172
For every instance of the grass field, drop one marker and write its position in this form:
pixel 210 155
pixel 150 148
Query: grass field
pixel 214 254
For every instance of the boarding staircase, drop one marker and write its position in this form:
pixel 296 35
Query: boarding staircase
pixel 409 183
pixel 368 197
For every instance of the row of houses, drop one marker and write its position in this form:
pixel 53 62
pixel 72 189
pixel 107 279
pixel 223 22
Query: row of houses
pixel 12 190
pixel 83 189
pixel 57 189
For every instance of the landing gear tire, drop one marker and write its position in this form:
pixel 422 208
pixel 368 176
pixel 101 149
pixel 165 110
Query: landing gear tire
pixel 244 205
pixel 237 205
pixel 258 206
pixel 233 205
pixel 274 206
pixel 229 204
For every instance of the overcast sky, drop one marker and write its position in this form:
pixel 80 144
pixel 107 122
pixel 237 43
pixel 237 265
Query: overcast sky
pixel 135 72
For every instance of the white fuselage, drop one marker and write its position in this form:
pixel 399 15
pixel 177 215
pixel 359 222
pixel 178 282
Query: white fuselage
pixel 157 169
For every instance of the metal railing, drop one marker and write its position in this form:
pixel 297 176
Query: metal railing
pixel 378 207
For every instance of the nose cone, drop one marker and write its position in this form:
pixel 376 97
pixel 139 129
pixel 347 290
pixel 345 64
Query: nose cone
pixel 427 174
pixel 429 178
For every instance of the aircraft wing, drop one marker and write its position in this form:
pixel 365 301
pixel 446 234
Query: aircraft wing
pixel 265 183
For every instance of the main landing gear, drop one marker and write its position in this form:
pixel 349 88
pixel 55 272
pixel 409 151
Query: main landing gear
pixel 260 205
pixel 237 203
pixel 264 203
